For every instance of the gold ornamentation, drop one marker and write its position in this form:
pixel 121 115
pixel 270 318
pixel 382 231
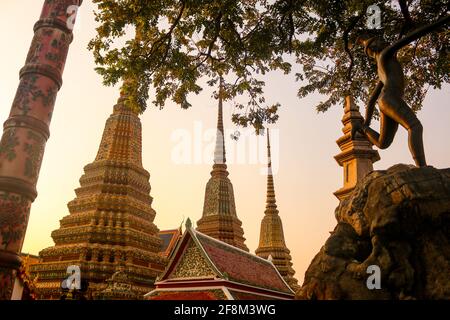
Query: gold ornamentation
pixel 192 265
pixel 219 219
pixel 111 219
pixel 271 239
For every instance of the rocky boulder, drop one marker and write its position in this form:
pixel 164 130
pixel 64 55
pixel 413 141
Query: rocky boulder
pixel 397 220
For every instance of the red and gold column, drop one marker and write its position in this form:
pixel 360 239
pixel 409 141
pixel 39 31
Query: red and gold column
pixel 26 131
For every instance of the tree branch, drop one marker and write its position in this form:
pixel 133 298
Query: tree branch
pixel 166 37
pixel 350 27
pixel 409 23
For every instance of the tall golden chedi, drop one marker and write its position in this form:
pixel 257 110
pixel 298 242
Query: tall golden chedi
pixel 271 240
pixel 110 226
pixel 219 218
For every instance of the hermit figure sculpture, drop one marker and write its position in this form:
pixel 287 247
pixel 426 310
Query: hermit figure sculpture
pixel 389 94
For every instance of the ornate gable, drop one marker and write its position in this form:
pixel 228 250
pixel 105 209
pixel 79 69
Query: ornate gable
pixel 192 264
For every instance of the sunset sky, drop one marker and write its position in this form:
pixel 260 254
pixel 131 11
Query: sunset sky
pixel 177 145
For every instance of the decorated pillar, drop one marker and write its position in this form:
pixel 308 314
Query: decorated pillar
pixel 26 130
pixel 356 156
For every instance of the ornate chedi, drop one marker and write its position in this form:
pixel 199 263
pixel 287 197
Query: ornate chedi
pixel 110 225
pixel 26 130
pixel 219 218
pixel 357 156
pixel 271 240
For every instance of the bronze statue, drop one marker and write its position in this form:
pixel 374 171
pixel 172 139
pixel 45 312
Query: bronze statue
pixel 389 94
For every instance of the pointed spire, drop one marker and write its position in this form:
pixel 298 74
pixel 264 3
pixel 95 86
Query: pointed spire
pixel 272 245
pixel 269 156
pixel 219 219
pixel 122 138
pixel 219 152
pixel 271 206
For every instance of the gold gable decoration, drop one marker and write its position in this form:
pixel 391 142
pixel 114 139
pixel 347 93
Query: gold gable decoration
pixel 192 264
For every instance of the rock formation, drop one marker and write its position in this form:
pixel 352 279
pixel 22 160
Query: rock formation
pixel 398 220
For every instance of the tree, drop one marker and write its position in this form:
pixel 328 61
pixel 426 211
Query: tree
pixel 176 43
pixel 334 65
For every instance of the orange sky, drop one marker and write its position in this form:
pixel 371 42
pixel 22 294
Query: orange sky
pixel 303 143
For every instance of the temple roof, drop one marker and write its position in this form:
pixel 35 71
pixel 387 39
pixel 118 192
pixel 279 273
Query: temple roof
pixel 239 295
pixel 201 263
pixel 210 294
pixel 240 266
pixel 169 240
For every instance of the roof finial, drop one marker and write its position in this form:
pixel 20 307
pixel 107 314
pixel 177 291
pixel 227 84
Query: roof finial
pixel 188 223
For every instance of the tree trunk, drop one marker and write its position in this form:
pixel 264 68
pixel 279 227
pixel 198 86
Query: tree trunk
pixel 27 129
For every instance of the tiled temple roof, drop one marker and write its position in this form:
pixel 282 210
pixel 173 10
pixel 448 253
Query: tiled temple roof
pixel 169 240
pixel 241 266
pixel 202 264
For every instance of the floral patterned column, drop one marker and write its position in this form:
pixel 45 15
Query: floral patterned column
pixel 27 129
